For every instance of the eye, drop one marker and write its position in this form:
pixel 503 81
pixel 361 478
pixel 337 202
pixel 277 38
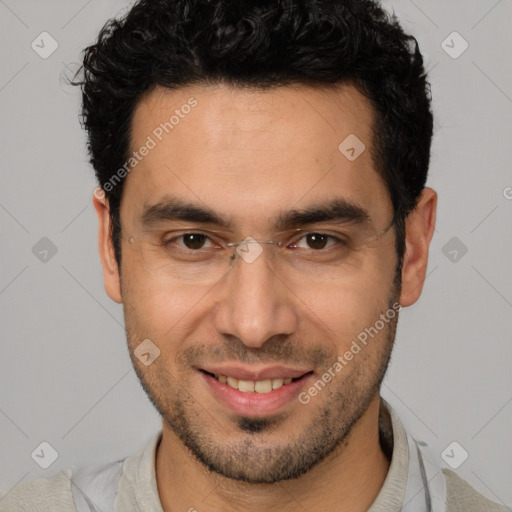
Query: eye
pixel 316 241
pixel 192 241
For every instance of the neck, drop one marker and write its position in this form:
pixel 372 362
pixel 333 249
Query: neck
pixel 348 480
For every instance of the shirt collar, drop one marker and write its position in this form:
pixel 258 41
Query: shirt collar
pixel 411 484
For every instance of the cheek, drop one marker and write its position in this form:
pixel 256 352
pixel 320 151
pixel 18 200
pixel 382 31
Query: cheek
pixel 165 309
pixel 347 307
pixel 159 308
pixel 347 314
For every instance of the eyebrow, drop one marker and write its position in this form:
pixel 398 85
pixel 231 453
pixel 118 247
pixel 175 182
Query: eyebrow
pixel 337 210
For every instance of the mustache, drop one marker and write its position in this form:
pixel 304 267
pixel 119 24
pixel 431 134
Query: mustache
pixel 278 349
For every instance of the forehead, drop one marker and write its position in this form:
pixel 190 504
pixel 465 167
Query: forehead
pixel 249 153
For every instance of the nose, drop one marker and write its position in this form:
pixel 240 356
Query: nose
pixel 255 303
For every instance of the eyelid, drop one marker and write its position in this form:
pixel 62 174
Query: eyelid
pixel 298 235
pixel 173 236
pixel 195 230
pixel 333 239
pixel 336 237
pixel 289 233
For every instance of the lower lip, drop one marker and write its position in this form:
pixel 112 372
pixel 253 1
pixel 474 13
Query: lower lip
pixel 254 404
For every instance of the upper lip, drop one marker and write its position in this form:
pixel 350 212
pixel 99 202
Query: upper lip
pixel 256 373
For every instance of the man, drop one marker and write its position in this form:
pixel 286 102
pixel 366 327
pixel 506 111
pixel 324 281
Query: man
pixel 263 217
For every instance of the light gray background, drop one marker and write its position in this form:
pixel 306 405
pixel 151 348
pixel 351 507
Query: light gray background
pixel 65 374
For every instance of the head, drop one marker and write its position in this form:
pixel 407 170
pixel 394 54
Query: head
pixel 233 118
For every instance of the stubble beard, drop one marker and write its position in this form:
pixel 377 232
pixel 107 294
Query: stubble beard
pixel 256 458
pixel 253 455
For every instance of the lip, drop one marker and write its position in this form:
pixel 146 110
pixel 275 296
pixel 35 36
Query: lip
pixel 254 404
pixel 255 374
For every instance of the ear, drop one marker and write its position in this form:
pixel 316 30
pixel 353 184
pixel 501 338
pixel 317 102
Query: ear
pixel 419 225
pixel 111 276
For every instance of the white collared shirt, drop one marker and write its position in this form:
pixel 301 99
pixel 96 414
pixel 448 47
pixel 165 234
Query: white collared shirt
pixel 414 483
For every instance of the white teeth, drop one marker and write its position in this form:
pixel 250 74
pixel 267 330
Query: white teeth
pixel 232 382
pixel 263 386
pixel 277 383
pixel 246 386
pixel 251 386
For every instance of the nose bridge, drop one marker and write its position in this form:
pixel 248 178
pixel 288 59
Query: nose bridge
pixel 256 305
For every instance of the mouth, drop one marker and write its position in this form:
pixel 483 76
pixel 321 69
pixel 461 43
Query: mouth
pixel 250 393
pixel 254 386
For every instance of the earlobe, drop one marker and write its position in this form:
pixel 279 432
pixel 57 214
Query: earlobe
pixel 420 225
pixel 105 246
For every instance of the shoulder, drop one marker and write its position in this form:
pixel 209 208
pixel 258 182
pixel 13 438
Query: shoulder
pixel 41 494
pixel 461 497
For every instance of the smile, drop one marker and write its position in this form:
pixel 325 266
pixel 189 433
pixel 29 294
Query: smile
pixel 254 392
pixel 251 386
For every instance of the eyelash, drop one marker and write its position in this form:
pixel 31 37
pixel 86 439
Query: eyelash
pixel 337 240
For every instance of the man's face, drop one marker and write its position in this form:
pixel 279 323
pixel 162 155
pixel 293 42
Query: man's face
pixel 250 157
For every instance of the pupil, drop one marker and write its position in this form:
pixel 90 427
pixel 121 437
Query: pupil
pixel 317 241
pixel 194 240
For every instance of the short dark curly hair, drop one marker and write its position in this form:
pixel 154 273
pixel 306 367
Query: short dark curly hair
pixel 262 44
